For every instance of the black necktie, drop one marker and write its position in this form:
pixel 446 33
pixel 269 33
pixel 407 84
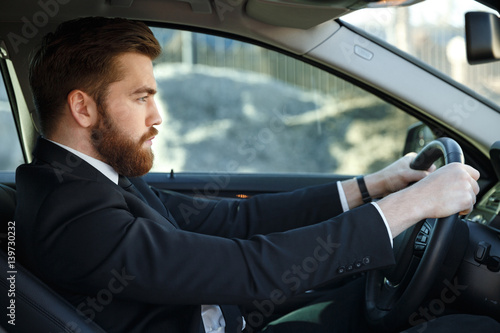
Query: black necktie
pixel 142 190
pixel 125 183
pixel 232 317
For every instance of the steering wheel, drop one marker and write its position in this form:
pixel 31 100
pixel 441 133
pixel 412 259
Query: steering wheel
pixel 427 255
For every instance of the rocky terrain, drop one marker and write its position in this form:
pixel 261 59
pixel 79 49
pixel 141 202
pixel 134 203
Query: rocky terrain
pixel 235 121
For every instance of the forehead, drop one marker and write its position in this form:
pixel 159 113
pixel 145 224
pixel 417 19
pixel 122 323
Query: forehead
pixel 136 70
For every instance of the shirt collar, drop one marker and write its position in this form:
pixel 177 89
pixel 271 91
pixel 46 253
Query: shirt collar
pixel 104 168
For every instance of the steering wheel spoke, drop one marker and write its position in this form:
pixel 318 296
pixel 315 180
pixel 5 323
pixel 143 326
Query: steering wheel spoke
pixel 423 237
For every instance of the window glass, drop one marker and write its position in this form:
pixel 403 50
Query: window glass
pixel 230 106
pixel 434 32
pixel 10 149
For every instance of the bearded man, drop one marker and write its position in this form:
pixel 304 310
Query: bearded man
pixel 87 221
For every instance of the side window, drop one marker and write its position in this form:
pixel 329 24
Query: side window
pixel 10 149
pixel 230 106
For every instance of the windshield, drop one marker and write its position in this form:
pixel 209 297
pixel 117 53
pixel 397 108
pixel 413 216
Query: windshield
pixel 433 31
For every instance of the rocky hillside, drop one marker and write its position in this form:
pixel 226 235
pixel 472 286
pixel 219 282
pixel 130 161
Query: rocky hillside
pixel 230 120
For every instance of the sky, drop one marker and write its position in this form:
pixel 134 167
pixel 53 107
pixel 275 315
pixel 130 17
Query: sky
pixel 433 10
pixel 427 12
pixel 434 13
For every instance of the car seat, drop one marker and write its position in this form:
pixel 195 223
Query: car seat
pixel 36 307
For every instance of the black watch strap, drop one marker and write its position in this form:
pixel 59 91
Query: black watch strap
pixel 364 191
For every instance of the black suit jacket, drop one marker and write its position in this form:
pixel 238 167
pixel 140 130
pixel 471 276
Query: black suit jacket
pixel 145 263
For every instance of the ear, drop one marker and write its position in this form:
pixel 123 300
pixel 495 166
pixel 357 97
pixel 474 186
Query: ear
pixel 83 108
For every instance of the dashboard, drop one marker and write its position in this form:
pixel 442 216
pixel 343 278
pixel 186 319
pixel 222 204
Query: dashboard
pixel 487 210
pixel 480 269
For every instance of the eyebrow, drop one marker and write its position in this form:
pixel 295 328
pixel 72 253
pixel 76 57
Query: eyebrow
pixel 143 90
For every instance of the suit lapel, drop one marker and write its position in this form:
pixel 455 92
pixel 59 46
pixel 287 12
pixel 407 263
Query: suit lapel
pixel 139 185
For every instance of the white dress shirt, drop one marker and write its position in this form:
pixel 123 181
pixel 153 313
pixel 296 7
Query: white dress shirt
pixel 104 168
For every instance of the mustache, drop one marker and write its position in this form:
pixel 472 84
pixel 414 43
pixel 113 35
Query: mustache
pixel 152 132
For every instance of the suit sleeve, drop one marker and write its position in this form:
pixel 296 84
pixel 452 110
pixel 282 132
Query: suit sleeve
pixel 93 236
pixel 261 214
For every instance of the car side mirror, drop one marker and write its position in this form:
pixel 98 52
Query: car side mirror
pixel 417 137
pixel 482 35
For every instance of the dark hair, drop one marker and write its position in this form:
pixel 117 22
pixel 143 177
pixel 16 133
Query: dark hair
pixel 81 54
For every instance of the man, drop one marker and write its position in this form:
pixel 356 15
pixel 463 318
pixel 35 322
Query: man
pixel 122 252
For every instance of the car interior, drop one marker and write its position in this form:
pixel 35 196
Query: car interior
pixel 284 25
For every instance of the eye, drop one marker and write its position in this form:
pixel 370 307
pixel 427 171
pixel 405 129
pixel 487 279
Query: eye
pixel 143 99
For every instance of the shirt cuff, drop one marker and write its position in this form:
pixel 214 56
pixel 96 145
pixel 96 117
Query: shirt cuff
pixel 343 199
pixel 385 221
pixel 345 208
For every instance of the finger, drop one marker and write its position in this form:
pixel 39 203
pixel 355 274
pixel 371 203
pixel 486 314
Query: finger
pixel 472 172
pixel 411 155
pixel 408 158
pixel 472 191
pixel 416 175
pixel 465 212
pixel 470 208
pixel 475 187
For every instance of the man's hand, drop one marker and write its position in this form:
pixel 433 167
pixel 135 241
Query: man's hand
pixel 451 189
pixel 448 190
pixel 386 181
pixel 394 177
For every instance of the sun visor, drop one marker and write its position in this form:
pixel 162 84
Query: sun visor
pixel 294 14
pixel 305 14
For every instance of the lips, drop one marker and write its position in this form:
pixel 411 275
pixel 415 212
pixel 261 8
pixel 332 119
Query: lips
pixel 148 137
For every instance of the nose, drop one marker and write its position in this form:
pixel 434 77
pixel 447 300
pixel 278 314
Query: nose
pixel 154 117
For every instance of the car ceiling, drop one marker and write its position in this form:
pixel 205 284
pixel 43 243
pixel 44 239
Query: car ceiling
pixel 291 13
pixel 275 22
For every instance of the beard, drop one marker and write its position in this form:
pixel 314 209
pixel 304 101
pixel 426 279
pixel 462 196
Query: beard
pixel 128 157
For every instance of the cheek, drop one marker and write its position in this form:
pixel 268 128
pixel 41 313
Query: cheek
pixel 128 121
